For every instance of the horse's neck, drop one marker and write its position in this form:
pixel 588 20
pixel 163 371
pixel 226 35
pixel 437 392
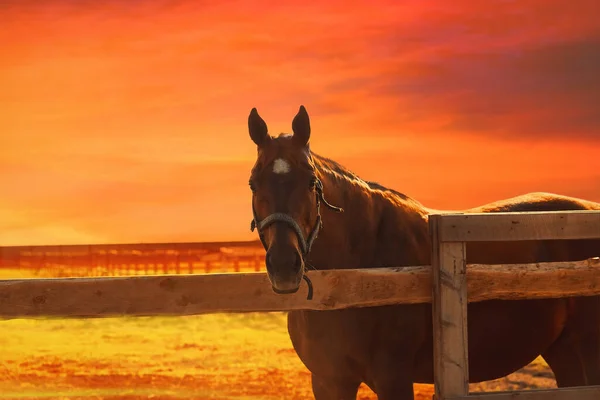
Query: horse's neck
pixel 359 236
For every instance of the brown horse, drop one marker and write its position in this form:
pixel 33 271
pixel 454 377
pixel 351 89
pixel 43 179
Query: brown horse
pixel 390 347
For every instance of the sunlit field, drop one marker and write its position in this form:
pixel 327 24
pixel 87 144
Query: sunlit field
pixel 223 356
pixel 220 356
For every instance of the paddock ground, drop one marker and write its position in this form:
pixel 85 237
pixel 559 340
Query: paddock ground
pixel 220 356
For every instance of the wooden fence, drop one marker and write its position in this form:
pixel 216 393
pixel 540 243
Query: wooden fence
pixel 452 289
pixel 133 259
pixel 449 276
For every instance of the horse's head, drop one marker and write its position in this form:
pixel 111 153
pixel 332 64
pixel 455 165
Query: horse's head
pixel 286 198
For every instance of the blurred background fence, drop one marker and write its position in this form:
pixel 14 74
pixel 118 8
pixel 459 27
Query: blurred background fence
pixel 131 259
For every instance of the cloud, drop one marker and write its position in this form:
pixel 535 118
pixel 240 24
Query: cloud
pixel 127 120
pixel 495 68
pixel 550 91
pixel 525 79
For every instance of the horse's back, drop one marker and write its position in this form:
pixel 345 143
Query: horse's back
pixel 537 201
pixel 534 251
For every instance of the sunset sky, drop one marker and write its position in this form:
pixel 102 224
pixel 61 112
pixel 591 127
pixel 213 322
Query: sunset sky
pixel 126 121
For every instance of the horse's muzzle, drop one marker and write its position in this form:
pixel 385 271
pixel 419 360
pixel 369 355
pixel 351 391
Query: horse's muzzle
pixel 285 291
pixel 285 286
pixel 294 290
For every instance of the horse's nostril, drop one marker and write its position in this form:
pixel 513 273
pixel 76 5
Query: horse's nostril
pixel 283 261
pixel 269 262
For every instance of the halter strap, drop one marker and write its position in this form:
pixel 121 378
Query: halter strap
pixel 305 243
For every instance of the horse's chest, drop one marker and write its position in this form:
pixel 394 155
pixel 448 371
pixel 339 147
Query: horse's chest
pixel 345 342
pixel 327 340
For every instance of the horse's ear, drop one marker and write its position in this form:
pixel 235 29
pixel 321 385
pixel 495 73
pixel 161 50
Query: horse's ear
pixel 301 127
pixel 257 128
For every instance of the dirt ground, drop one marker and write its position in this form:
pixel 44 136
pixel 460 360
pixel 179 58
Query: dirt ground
pixel 220 356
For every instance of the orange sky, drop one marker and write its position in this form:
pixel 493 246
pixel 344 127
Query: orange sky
pixel 126 121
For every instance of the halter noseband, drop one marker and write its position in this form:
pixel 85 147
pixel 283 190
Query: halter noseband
pixel 305 243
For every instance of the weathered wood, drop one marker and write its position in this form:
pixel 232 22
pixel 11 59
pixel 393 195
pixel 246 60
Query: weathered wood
pixel 533 281
pixel 450 358
pixel 199 294
pixel 333 289
pixel 575 393
pixel 520 226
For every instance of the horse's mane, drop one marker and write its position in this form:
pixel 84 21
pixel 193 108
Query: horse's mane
pixel 341 172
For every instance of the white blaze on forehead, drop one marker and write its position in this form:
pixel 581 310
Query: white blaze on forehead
pixel 281 166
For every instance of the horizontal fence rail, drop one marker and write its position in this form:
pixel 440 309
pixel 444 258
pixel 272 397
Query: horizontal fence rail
pixel 509 226
pixel 579 393
pixel 247 292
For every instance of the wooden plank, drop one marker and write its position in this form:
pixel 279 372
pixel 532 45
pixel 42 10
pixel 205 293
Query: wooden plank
pixel 450 358
pixel 333 289
pixel 520 226
pixel 574 393
pixel 533 281
pixel 199 294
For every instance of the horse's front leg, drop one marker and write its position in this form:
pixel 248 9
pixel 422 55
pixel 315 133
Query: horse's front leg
pixel 394 389
pixel 392 375
pixel 334 388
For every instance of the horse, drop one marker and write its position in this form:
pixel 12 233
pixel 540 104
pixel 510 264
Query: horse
pixel 312 213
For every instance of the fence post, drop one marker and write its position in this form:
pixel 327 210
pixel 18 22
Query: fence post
pixel 449 311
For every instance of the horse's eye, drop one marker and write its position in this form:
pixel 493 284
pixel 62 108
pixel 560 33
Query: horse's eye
pixel 313 182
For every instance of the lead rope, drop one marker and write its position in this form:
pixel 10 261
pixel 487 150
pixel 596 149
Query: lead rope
pixel 310 286
pixel 307 243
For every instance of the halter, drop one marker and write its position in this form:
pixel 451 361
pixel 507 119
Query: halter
pixel 305 243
